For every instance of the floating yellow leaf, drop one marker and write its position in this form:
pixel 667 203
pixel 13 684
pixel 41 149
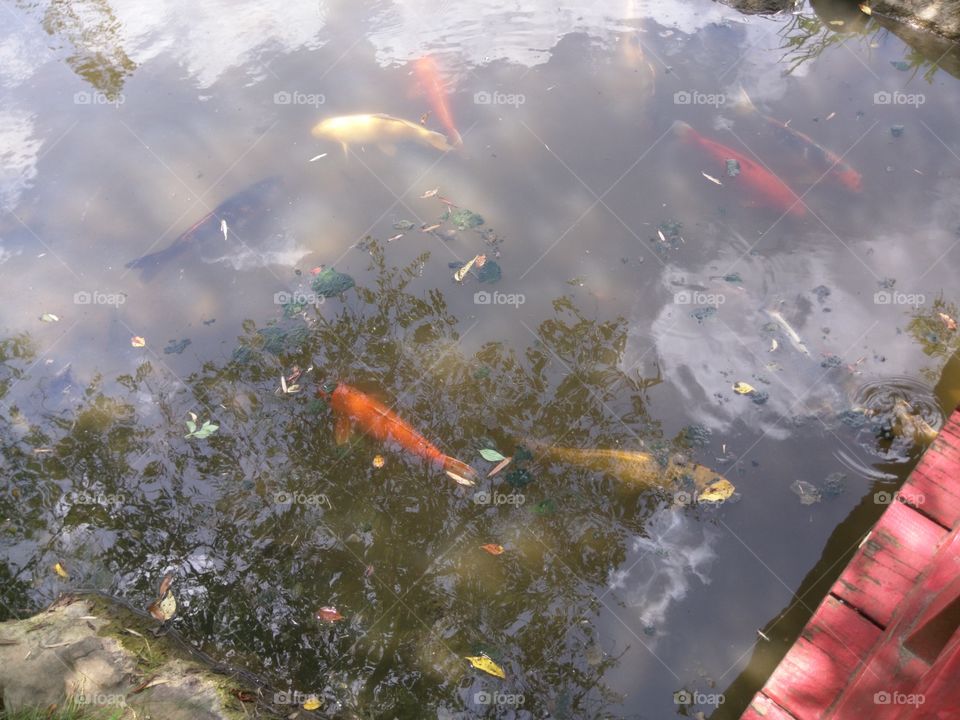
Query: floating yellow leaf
pixel 430 193
pixel 378 461
pixel 61 571
pixel 711 178
pixel 717 491
pixel 462 272
pixel 742 388
pixel 865 9
pixel 482 662
pixel 311 703
pixel 430 228
pixel 137 341
pixel 773 344
pixel 492 548
pixel 948 321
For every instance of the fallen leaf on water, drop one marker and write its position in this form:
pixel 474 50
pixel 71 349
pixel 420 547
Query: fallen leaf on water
pixel 462 272
pixel 492 548
pixel 205 430
pixel 378 461
pixel 165 608
pixel 948 321
pixel 137 341
pixel 430 228
pixel 500 466
pixel 481 260
pixel 838 23
pixel 831 116
pixel 244 695
pixel 395 237
pixel 444 200
pixel 663 238
pixel 482 662
pixel 311 703
pixel 328 614
pixel 742 388
pixel 317 157
pixel 224 229
pixel 491 455
pixel 865 9
pixel 773 344
pixel 49 317
pixel 711 178
pixel 460 479
pixel 430 193
pixel 61 571
pixel 317 270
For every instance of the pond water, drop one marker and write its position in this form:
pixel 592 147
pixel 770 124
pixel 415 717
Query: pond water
pixel 659 237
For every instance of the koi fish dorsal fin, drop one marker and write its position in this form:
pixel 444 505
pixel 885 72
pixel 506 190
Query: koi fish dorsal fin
pixel 342 430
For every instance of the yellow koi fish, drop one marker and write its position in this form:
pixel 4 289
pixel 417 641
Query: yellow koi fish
pixel 640 468
pixel 377 129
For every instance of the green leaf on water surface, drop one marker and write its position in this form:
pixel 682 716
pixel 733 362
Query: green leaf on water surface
pixel 331 283
pixel 463 219
pixel 545 507
pixel 203 432
pixel 491 455
pixel 490 272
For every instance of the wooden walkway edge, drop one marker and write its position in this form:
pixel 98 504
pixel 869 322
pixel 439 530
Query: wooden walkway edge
pixel 885 642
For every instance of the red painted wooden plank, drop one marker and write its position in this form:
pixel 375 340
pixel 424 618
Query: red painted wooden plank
pixel 939 688
pixel 891 669
pixel 819 665
pixel 763 708
pixel 938 501
pixel 884 569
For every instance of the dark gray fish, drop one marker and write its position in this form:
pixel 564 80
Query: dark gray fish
pixel 244 213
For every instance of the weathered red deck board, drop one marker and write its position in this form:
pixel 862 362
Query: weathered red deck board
pixel 887 565
pixel 835 640
pixel 890 622
pixel 891 668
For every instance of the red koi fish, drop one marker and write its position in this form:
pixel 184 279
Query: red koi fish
pixel 429 78
pixel 820 158
pixel 352 407
pixel 760 181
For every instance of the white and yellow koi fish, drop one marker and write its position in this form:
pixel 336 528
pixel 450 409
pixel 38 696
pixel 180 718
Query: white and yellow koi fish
pixel 377 129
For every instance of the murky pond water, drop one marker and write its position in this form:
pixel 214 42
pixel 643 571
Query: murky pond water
pixel 674 197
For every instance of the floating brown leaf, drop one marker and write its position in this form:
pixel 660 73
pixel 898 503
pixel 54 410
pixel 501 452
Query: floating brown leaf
pixel 493 548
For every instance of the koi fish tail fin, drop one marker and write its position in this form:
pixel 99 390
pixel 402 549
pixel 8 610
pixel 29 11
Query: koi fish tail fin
pixel 459 471
pixel 743 102
pixel 455 139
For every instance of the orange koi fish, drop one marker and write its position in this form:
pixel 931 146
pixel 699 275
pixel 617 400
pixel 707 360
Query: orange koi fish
pixel 354 408
pixel 822 159
pixel 761 182
pixel 429 78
